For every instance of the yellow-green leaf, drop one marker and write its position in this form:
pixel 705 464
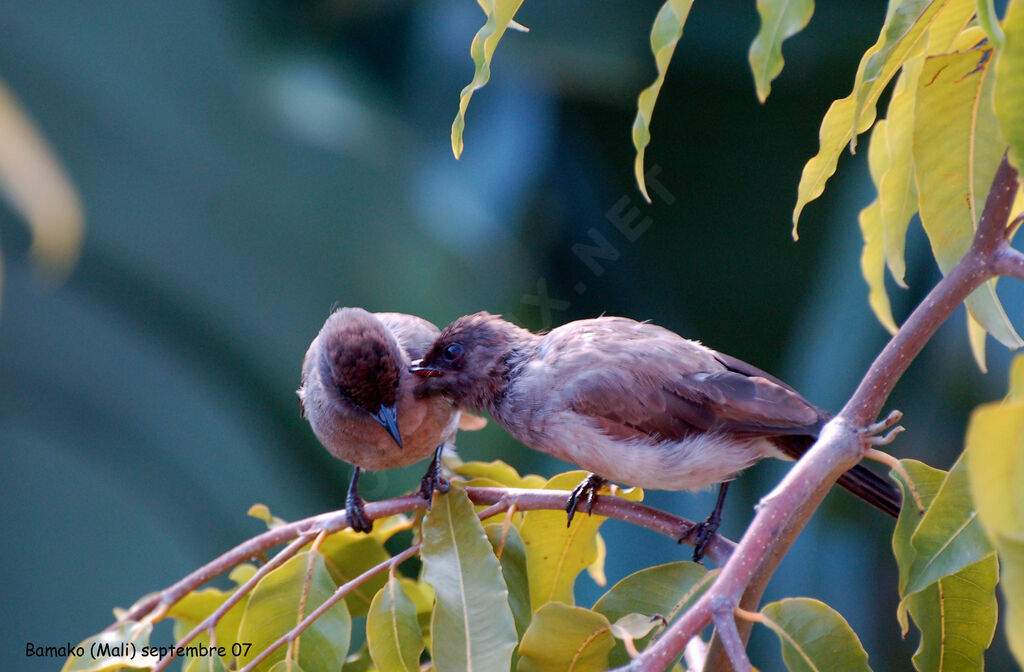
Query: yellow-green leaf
pixel 281 600
pixel 897 191
pixel 33 181
pixel 197 605
pixel 665 33
pixel 472 626
pixel 957 618
pixel 118 649
pixel 995 463
pixel 899 40
pixel 1009 88
pixel 872 258
pixel 957 147
pixel 562 638
pixel 949 536
pixel 556 554
pixel 814 636
pixel 392 630
pixel 501 473
pixel 511 553
pixel 780 19
pixel 499 15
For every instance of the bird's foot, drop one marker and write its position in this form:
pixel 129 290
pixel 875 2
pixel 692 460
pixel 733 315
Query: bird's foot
pixel 433 480
pixel 585 491
pixel 702 534
pixel 354 509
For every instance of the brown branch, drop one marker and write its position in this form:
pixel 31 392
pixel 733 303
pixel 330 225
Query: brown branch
pixel 301 532
pixel 784 512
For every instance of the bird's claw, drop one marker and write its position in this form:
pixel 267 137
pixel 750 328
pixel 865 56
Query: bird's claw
pixel 702 534
pixel 433 481
pixel 585 491
pixel 357 520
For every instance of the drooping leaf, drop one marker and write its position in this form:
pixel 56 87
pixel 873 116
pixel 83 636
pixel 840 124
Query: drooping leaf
pixel 780 20
pixel 1009 87
pixel 562 638
pixel 664 590
pixel 281 600
pixel 814 636
pixel 392 630
pixel 899 40
pixel 949 536
pixel 511 553
pixel 872 258
pixel 995 465
pixel 199 604
pixel 499 15
pixel 118 649
pixel 897 190
pixel 665 33
pixel 472 625
pixel 957 618
pixel 35 184
pixel 556 554
pixel 957 147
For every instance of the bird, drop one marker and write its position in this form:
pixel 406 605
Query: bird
pixel 357 394
pixel 632 402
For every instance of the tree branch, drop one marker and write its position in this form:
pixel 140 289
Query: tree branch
pixel 784 512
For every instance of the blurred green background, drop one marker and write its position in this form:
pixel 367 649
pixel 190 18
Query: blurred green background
pixel 245 166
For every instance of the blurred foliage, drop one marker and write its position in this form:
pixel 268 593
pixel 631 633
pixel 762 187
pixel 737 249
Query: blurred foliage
pixel 245 166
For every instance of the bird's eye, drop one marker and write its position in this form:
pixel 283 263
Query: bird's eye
pixel 453 352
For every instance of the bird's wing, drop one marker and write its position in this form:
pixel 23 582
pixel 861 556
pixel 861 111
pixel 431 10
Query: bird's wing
pixel 414 334
pixel 651 382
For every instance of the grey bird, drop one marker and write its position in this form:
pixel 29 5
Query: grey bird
pixel 357 394
pixel 631 402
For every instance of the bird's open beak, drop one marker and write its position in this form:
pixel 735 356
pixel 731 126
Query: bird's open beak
pixel 387 416
pixel 424 371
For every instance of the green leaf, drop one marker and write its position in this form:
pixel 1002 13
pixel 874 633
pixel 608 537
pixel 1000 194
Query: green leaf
pixel 995 465
pixel 281 600
pixel 556 554
pixel 957 147
pixel 197 605
pixel 900 40
pixel 262 512
pixel 118 649
pixel 562 638
pixel 666 590
pixel 348 554
pixel 814 636
pixel 392 630
pixel 472 625
pixel 499 15
pixel 957 618
pixel 1009 88
pixel 511 553
pixel 780 19
pixel 665 34
pixel 872 258
pixel 211 664
pixel 949 536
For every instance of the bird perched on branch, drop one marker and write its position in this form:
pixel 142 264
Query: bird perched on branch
pixel 357 394
pixel 631 402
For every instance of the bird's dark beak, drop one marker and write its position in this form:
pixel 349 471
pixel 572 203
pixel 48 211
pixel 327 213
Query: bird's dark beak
pixel 423 371
pixel 387 416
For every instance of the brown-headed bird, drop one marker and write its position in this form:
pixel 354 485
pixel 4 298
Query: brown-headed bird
pixel 357 394
pixel 631 402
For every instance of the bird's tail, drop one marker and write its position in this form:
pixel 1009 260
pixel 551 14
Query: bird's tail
pixel 860 481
